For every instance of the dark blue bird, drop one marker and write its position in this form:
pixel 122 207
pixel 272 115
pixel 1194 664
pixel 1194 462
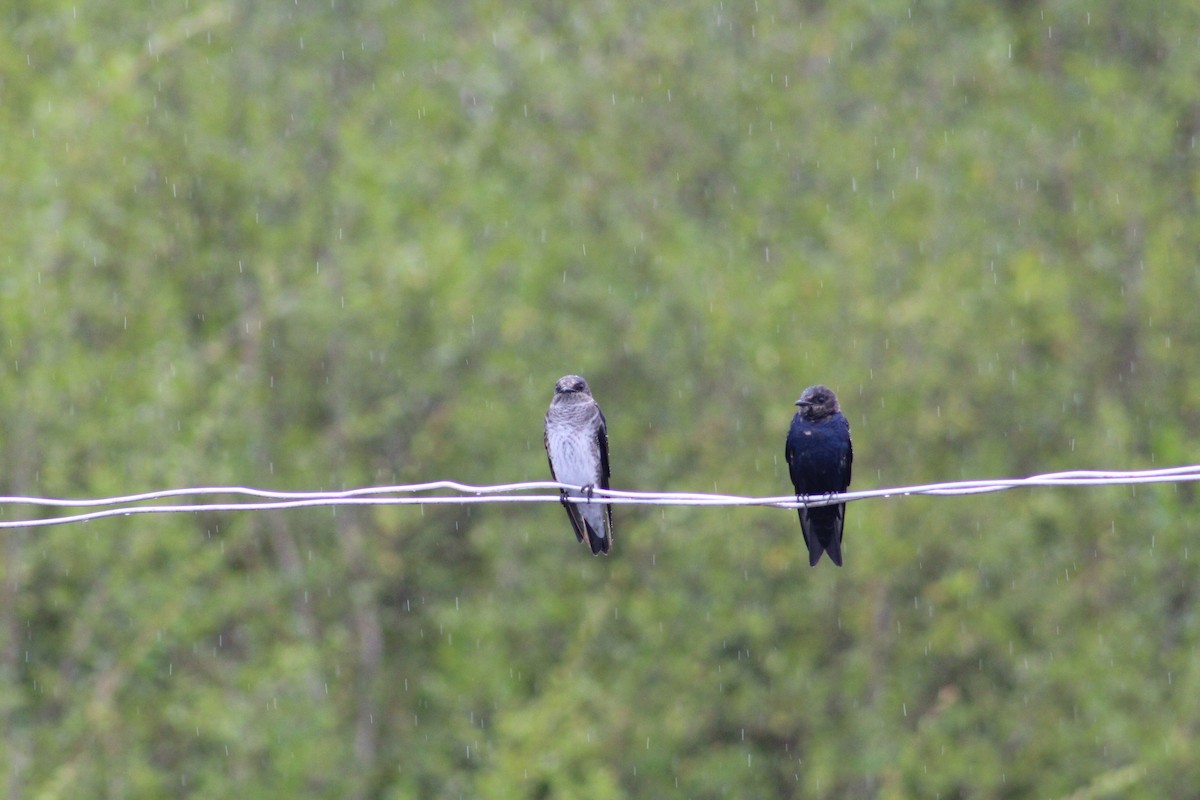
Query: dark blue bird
pixel 819 456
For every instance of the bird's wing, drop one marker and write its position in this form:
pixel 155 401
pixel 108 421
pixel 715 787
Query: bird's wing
pixel 811 543
pixel 841 507
pixel 602 445
pixel 575 516
pixel 849 457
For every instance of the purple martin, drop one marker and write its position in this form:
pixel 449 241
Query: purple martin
pixel 819 455
pixel 577 446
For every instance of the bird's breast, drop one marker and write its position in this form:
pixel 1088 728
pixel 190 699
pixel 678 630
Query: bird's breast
pixel 574 456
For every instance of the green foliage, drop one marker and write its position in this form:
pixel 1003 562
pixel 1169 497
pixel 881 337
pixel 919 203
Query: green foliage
pixel 323 245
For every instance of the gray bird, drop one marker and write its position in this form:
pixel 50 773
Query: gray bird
pixel 577 446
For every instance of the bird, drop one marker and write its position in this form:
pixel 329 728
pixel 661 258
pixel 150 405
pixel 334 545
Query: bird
pixel 819 455
pixel 576 440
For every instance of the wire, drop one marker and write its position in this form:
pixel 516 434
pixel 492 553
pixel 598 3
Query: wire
pixel 504 493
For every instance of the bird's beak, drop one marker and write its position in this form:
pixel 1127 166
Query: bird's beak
pixel 803 403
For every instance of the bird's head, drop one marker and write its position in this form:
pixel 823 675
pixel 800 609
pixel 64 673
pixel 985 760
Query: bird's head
pixel 571 385
pixel 817 402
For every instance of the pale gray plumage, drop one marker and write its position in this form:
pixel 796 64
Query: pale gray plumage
pixel 576 442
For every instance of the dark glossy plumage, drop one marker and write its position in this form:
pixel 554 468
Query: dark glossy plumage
pixel 819 456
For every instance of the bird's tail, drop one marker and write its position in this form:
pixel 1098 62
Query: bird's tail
pixel 822 528
pixel 598 521
pixel 834 546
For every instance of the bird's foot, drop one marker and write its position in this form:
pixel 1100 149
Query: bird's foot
pixel 588 491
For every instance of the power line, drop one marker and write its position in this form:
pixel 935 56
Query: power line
pixel 411 494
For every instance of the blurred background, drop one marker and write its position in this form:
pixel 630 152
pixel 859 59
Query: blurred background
pixel 322 245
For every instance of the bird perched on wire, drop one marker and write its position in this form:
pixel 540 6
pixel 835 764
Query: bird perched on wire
pixel 819 456
pixel 576 441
